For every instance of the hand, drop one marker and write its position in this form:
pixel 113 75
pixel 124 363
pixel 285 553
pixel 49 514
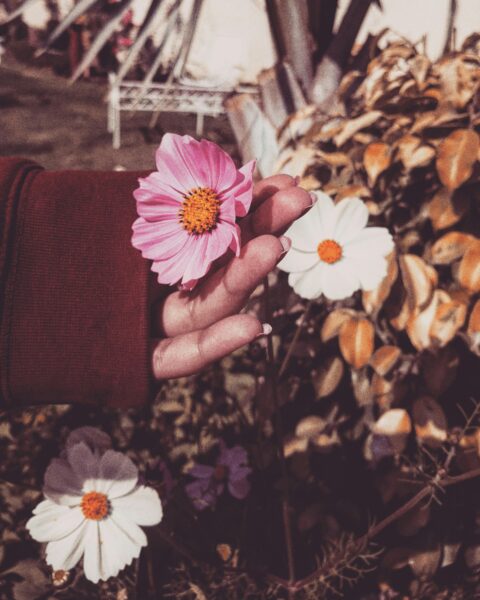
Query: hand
pixel 203 326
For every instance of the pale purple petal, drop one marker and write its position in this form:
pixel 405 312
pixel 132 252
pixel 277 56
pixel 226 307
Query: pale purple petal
pixel 239 489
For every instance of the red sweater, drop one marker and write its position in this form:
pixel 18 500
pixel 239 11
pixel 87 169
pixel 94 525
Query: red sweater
pixel 74 316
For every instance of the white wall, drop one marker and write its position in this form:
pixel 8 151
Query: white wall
pixel 415 18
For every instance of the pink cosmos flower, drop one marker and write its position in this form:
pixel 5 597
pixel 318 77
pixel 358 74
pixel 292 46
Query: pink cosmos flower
pixel 231 470
pixel 188 208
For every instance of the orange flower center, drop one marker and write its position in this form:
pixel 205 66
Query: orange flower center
pixel 329 251
pixel 199 211
pixel 95 506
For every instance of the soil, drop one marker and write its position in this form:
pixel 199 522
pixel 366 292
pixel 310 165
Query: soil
pixel 64 126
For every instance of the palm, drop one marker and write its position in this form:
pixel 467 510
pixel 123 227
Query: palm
pixel 203 326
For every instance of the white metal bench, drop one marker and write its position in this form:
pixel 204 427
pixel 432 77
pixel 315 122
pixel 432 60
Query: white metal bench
pixel 165 97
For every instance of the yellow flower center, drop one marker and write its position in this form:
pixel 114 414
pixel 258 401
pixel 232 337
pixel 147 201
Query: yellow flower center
pixel 95 506
pixel 200 210
pixel 329 251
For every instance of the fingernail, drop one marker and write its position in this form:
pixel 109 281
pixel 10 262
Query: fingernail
pixel 296 180
pixel 266 329
pixel 286 243
pixel 313 197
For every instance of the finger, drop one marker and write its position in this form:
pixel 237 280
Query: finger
pixel 224 293
pixel 276 213
pixel 191 352
pixel 269 186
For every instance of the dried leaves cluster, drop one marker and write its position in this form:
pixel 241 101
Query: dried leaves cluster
pixel 406 141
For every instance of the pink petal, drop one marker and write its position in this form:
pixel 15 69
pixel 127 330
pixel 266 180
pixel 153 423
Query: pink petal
pixel 171 270
pixel 227 210
pixel 178 160
pixel 159 240
pixel 220 240
pixel 155 200
pixel 198 264
pixel 216 166
pixel 242 189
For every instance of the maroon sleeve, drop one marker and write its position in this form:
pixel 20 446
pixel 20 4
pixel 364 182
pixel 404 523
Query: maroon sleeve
pixel 73 291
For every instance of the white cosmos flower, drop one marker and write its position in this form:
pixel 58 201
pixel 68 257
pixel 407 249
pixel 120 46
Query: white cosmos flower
pixel 94 508
pixel 333 252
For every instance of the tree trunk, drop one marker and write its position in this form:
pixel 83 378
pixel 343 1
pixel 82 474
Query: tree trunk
pixel 330 70
pixel 321 21
pixel 289 26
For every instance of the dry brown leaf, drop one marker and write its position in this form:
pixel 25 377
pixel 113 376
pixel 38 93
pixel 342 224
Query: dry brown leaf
pixel 350 127
pixel 326 380
pixel 335 159
pixel 373 300
pixel 294 444
pixel 396 425
pixel 401 318
pixel 450 247
pixel 429 421
pixel 437 118
pixel 449 318
pixel 447 207
pixel 376 159
pixel 474 320
pixel 419 280
pixel 419 324
pixel 456 157
pixel 384 359
pixel 310 426
pixel 357 341
pixel 360 191
pixel 412 153
pixel 458 78
pixel 332 324
pixel 439 369
pixel 382 392
pixel 469 269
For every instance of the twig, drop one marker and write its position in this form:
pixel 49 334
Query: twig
pixel 279 438
pixel 296 337
pixel 373 532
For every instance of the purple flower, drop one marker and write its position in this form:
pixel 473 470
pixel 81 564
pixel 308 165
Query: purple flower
pixel 230 470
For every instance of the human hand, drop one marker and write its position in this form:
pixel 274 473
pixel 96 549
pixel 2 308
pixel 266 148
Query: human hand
pixel 192 330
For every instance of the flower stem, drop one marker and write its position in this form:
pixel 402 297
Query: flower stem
pixel 296 337
pixel 279 435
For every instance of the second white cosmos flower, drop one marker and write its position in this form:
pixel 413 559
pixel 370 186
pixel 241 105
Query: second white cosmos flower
pixel 94 508
pixel 333 252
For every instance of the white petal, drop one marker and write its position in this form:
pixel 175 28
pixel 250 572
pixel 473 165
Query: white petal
pixel 327 216
pixel 370 272
pixel 370 243
pixel 340 280
pixel 85 464
pixel 143 506
pixel 305 231
pixel 351 217
pixel 62 482
pixel 117 475
pixel 123 520
pixel 54 524
pixel 295 260
pixel 66 552
pixel 116 549
pixel 308 284
pixel 91 559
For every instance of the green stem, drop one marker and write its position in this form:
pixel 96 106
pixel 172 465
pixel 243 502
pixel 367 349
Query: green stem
pixel 279 435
